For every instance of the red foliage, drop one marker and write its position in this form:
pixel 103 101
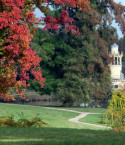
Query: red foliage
pixel 15 27
pixel 80 4
pixel 13 3
pixel 30 17
pixel 63 20
pixel 17 52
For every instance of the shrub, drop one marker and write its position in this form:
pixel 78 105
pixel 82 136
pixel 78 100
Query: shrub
pixel 6 121
pixel 115 114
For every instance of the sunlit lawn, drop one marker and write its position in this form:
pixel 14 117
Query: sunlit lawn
pixel 93 118
pixel 55 118
pixel 60 131
pixel 81 109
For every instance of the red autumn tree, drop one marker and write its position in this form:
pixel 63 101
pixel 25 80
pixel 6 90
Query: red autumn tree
pixel 16 28
pixel 63 21
pixel 16 53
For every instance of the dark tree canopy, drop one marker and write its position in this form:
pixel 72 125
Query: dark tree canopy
pixel 79 69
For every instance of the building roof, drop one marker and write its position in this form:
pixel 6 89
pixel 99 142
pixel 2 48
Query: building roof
pixel 114 45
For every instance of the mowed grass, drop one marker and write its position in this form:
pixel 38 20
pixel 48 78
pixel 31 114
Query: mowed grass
pixel 59 136
pixel 80 109
pixel 60 132
pixel 93 118
pixel 55 118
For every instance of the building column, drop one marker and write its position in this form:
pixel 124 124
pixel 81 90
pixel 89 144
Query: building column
pixel 114 60
pixel 120 60
pixel 119 63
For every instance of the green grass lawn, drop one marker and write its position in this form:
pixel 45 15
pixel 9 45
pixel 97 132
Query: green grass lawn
pixel 55 118
pixel 60 131
pixel 93 118
pixel 93 110
pixel 59 136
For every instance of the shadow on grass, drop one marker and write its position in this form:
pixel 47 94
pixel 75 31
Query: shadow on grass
pixel 59 136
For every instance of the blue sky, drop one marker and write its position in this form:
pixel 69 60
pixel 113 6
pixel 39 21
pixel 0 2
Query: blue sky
pixel 39 14
pixel 122 1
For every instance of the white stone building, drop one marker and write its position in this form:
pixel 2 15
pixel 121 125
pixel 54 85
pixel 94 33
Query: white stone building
pixel 117 76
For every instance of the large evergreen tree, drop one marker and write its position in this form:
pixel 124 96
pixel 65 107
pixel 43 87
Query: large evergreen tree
pixel 80 69
pixel 54 54
pixel 17 24
pixel 87 75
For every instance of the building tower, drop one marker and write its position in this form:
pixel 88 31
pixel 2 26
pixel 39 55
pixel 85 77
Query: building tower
pixel 116 66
